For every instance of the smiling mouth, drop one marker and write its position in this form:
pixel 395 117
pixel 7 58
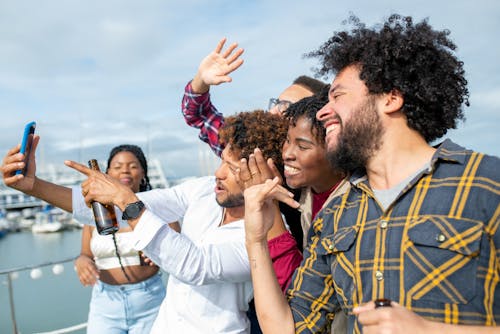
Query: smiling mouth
pixel 289 170
pixel 331 128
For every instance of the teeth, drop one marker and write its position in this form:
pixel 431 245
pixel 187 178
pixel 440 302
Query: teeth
pixel 331 128
pixel 291 170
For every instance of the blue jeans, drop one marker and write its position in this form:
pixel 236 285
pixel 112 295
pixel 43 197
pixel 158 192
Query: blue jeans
pixel 126 308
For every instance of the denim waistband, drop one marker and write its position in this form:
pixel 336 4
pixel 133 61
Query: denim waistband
pixel 128 287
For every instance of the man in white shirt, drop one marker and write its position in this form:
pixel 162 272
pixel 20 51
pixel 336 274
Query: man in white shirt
pixel 209 284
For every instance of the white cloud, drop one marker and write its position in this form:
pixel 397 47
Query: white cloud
pixel 98 73
pixel 488 99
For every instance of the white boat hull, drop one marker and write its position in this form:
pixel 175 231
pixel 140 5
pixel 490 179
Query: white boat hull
pixel 47 227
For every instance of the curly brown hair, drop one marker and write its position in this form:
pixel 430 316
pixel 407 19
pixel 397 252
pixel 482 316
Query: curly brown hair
pixel 245 131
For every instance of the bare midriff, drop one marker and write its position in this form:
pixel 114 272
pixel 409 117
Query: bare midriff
pixel 136 273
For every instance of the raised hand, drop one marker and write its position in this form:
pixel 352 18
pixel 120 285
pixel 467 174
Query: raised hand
pixel 256 170
pixel 260 208
pixel 215 68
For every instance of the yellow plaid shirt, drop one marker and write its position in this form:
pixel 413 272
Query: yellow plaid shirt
pixel 434 250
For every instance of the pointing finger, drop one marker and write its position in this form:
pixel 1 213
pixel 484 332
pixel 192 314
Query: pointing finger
pixel 78 167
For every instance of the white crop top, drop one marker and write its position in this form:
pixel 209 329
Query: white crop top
pixel 103 248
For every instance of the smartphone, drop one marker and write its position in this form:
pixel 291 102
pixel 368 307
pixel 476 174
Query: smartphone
pixel 29 131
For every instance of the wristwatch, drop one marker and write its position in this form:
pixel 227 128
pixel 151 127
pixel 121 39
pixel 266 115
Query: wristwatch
pixel 132 210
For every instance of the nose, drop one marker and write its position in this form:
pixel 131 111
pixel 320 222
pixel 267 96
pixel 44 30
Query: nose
pixel 287 152
pixel 324 113
pixel 124 168
pixel 219 172
pixel 275 110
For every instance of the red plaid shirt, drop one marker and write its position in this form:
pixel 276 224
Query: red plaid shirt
pixel 200 113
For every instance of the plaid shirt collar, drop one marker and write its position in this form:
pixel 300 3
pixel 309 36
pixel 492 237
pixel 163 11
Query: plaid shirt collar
pixel 447 151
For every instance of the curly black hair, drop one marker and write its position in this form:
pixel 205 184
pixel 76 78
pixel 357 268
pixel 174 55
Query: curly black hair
pixel 247 130
pixel 308 107
pixel 413 59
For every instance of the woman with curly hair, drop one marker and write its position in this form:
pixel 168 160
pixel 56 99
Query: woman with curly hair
pixel 305 163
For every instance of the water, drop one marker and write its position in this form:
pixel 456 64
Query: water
pixel 51 302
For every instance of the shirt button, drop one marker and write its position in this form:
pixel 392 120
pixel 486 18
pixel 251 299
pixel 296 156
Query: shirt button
pixel 440 238
pixel 384 224
pixel 330 247
pixel 379 275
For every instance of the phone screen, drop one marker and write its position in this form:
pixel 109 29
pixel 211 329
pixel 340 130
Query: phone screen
pixel 29 131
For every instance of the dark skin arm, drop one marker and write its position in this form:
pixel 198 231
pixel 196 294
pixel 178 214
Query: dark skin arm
pixel 29 184
pixel 85 267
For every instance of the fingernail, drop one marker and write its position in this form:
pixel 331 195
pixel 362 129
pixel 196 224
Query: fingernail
pixel 382 302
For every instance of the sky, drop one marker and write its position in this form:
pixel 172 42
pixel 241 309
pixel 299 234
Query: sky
pixel 95 74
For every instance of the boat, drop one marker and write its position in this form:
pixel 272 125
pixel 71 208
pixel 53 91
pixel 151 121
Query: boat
pixel 49 220
pixel 4 224
pixel 4 227
pixel 47 227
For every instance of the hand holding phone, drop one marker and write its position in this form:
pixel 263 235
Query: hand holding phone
pixel 29 131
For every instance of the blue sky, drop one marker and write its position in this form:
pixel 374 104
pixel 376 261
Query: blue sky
pixel 95 74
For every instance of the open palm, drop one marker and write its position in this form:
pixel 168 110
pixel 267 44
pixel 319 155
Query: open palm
pixel 215 67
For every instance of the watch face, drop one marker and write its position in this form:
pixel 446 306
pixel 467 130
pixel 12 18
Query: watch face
pixel 133 210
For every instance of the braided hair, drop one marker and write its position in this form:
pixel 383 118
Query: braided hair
pixel 144 186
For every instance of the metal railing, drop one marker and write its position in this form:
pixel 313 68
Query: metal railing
pixel 10 272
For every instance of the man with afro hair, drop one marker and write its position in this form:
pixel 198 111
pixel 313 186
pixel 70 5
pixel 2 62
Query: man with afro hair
pixel 414 245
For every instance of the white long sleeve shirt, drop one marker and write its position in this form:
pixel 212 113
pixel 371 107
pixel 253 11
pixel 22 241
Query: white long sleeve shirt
pixel 209 283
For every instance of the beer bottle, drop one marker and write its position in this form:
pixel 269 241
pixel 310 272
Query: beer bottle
pixel 104 215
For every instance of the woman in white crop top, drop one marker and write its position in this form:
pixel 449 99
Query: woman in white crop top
pixel 113 266
pixel 126 295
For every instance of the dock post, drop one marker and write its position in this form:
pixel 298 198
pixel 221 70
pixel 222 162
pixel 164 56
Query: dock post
pixel 11 301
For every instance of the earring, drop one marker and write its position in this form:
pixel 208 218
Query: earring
pixel 143 181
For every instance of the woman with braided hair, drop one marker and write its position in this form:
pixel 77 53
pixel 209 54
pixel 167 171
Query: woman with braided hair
pixel 126 296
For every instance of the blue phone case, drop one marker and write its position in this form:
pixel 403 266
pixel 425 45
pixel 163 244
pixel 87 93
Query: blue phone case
pixel 29 129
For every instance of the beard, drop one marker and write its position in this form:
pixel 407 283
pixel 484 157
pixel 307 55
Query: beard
pixel 358 140
pixel 232 201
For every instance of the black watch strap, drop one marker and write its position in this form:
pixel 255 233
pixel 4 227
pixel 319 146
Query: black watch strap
pixel 132 210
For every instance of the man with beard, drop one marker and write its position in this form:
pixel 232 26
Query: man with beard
pixel 209 285
pixel 414 245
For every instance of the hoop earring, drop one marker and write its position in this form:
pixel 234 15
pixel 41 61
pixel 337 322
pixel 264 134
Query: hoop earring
pixel 144 182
